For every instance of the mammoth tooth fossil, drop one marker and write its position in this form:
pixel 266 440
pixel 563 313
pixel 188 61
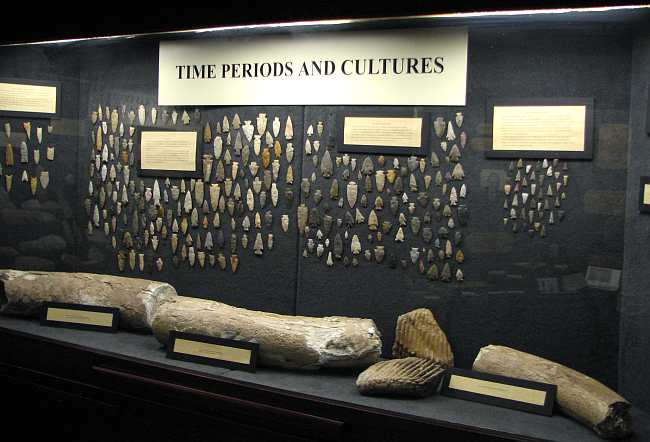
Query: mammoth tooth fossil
pixel 418 334
pixel 401 377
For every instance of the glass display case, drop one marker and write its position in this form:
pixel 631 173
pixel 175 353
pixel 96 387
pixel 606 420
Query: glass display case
pixel 489 168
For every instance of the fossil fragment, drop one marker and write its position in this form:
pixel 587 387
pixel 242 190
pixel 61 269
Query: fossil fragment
pixel 288 129
pixel 207 133
pixel 302 215
pixel 266 157
pixel 258 246
pixel 367 167
pixel 209 243
pixel 281 338
pixel 276 126
pixel 418 334
pixel 33 184
pixel 459 119
pixel 326 165
pixel 355 245
pixel 9 155
pixel 44 179
pixel 141 115
pixel 458 172
pixel 454 154
pixel 137 299
pixel 27 126
pixel 451 136
pixel 413 184
pixel 578 395
pixel 439 126
pixel 248 130
pixel 351 194
pixel 24 152
pixel 185 118
pixel 415 225
pixel 401 377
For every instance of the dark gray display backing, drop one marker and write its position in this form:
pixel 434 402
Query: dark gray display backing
pixel 500 301
pixel 40 232
pixel 262 283
pixel 635 302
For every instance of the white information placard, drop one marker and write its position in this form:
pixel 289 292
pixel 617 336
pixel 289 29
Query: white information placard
pixel 25 98
pixel 395 67
pixel 168 150
pixel 558 128
pixel 383 131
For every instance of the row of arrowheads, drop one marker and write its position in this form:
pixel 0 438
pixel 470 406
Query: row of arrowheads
pixel 232 207
pixel 364 200
pixel 534 194
pixel 26 156
pixel 111 121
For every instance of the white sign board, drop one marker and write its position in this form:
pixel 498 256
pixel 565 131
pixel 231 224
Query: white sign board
pixel 397 67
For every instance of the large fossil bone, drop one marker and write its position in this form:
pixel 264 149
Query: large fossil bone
pixel 138 299
pixel 298 342
pixel 578 395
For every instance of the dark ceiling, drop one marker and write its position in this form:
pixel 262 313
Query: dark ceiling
pixel 93 19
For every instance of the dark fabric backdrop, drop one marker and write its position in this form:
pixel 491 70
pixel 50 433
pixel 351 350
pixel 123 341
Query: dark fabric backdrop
pixel 499 302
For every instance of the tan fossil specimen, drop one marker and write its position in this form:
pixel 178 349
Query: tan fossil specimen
pixel 418 334
pixel 579 396
pixel 298 342
pixel 137 299
pixel 401 377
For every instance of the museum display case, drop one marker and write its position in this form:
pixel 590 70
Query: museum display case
pixel 333 230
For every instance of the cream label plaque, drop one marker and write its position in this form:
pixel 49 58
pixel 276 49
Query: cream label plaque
pixel 168 152
pixel 548 128
pixel 496 389
pixel 384 67
pixel 382 132
pixel 79 316
pixel 29 98
pixel 213 351
pixel 502 391
pixel 539 128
